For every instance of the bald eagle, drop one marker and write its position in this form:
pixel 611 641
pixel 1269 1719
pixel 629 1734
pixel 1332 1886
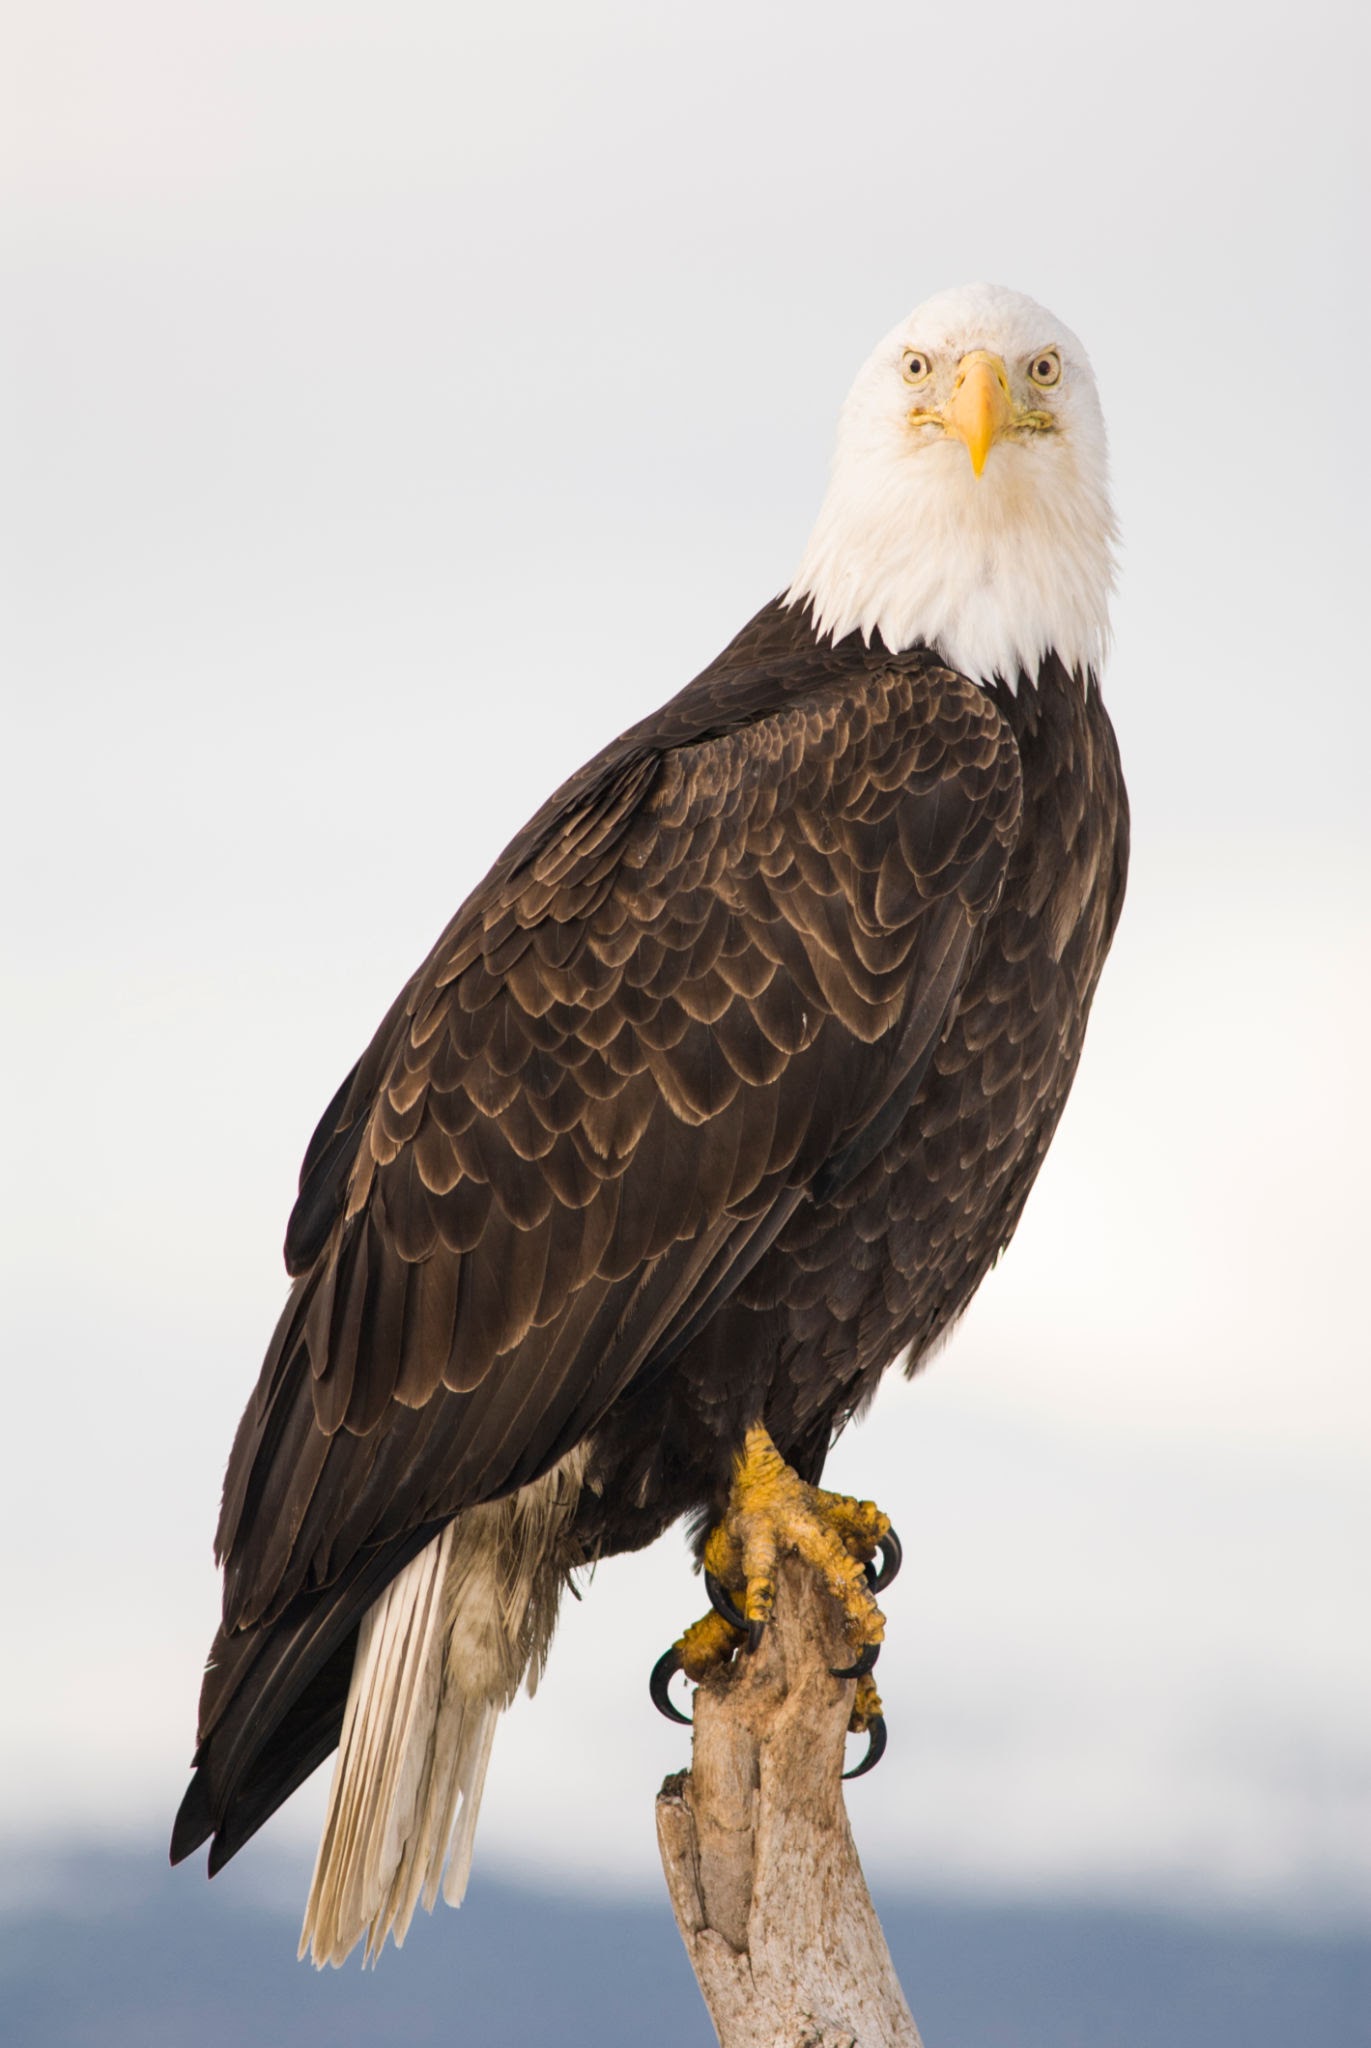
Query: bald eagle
pixel 723 1090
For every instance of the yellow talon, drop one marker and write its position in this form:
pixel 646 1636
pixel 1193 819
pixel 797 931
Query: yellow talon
pixel 707 1645
pixel 865 1707
pixel 772 1510
pixel 771 1513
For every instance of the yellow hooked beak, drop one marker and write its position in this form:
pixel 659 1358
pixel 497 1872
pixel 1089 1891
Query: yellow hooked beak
pixel 981 406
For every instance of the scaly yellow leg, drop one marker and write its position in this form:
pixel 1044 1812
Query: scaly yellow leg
pixel 772 1510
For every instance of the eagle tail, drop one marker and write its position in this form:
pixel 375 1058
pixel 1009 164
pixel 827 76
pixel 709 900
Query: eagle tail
pixel 440 1655
pixel 395 1764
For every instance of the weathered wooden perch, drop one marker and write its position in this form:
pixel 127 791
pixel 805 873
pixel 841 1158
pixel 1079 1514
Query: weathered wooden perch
pixel 759 1858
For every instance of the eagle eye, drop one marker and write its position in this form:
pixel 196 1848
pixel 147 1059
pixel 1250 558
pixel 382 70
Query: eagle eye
pixel 1046 369
pixel 915 366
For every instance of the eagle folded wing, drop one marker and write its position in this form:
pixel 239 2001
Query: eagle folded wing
pixel 700 991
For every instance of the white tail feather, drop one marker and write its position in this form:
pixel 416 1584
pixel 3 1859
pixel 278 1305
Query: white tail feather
pixel 439 1656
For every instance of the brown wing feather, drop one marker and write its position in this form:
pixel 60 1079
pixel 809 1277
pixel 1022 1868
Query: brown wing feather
pixel 671 1015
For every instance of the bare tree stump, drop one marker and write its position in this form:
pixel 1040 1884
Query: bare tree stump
pixel 759 1858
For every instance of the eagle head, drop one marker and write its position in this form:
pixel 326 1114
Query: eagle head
pixel 968 507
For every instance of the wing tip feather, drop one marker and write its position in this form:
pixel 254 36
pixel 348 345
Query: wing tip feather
pixel 194 1823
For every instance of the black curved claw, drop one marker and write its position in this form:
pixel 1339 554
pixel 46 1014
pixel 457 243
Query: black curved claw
pixel 878 1576
pixel 876 1739
pixel 755 1631
pixel 866 1662
pixel 663 1671
pixel 721 1601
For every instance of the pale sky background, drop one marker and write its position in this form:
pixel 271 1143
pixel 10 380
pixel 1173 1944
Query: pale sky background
pixel 400 399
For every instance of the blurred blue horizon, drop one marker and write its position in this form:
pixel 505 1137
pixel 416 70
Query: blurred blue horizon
pixel 164 1960
pixel 272 1877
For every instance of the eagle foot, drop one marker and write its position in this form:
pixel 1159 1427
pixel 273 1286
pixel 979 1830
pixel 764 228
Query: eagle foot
pixel 771 1510
pixel 707 1645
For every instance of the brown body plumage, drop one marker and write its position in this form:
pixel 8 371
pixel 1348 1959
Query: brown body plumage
pixel 725 1087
